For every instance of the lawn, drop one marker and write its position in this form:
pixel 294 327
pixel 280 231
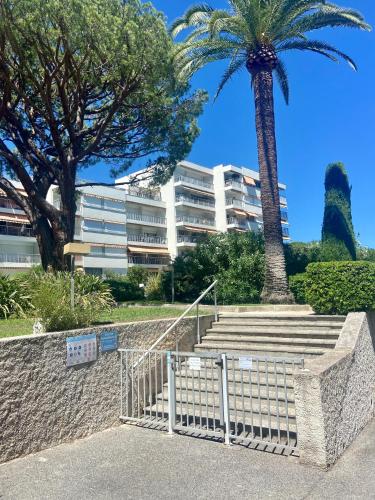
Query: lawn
pixel 15 327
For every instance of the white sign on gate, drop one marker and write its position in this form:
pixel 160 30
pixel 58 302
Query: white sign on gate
pixel 245 362
pixel 195 363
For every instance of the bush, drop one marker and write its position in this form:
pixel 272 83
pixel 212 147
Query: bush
pixel 50 295
pixel 126 287
pixel 14 297
pixel 299 255
pixel 341 287
pixel 297 285
pixel 154 287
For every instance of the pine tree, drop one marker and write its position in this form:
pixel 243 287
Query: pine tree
pixel 338 240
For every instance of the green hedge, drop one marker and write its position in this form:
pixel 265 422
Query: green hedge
pixel 297 285
pixel 124 291
pixel 340 287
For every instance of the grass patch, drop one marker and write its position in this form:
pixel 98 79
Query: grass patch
pixel 15 327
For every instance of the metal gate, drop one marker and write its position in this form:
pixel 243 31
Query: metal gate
pixel 243 399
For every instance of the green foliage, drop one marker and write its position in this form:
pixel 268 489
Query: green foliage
pixel 50 295
pixel 299 255
pixel 256 30
pixel 341 287
pixel 297 285
pixel 126 287
pixel 154 287
pixel 236 259
pixel 338 240
pixel 14 297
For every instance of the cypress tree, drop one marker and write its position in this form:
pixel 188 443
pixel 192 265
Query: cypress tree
pixel 338 241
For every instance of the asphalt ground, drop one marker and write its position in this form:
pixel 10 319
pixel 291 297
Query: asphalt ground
pixel 130 462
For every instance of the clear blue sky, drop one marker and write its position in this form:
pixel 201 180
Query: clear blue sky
pixel 330 118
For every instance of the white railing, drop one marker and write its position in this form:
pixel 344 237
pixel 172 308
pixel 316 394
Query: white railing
pixel 236 222
pixel 178 321
pixel 233 184
pixel 187 239
pixel 196 182
pixel 195 220
pixel 148 195
pixel 19 259
pixel 143 238
pixel 16 231
pixel 195 201
pixel 150 261
pixel 146 218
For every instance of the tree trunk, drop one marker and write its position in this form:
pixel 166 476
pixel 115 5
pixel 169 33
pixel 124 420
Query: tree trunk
pixel 276 289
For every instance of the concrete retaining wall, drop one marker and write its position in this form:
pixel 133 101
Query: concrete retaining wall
pixel 43 403
pixel 335 393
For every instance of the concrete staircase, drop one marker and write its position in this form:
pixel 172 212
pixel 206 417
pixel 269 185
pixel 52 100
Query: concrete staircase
pixel 261 400
pixel 273 335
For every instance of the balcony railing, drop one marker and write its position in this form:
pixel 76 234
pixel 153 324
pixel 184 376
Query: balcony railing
pixel 195 201
pixel 16 231
pixel 187 239
pixel 152 219
pixel 142 238
pixel 5 203
pixel 285 232
pixel 236 222
pixel 19 259
pixel 148 195
pixel 243 203
pixel 150 261
pixel 195 220
pixel 196 182
pixel 233 184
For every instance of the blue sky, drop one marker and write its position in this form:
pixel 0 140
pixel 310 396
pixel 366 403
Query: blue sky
pixel 330 118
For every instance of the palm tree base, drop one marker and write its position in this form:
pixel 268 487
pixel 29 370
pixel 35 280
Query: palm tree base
pixel 274 297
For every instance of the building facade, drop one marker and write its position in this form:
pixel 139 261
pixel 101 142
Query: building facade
pixel 143 225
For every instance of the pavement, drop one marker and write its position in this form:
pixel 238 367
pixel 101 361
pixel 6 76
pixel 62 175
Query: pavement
pixel 129 462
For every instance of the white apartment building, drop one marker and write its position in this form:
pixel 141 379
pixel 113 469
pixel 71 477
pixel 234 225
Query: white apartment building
pixel 143 225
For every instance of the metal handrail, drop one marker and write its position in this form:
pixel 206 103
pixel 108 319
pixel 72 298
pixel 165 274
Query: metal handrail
pixel 178 320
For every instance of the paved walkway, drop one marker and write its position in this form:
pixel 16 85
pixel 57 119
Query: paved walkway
pixel 134 463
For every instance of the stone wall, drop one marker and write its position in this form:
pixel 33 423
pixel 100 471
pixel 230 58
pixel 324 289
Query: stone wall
pixel 43 403
pixel 335 393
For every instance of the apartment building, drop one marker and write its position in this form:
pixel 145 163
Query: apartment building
pixel 146 226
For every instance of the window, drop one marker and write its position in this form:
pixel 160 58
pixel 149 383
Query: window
pixel 97 250
pixel 115 205
pixel 93 201
pixel 93 225
pixel 115 252
pixel 112 227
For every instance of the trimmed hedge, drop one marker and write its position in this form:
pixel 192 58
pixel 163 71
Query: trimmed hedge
pixel 297 285
pixel 340 287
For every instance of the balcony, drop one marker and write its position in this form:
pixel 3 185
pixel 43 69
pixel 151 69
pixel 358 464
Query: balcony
pixel 145 194
pixel 286 234
pixel 284 216
pixel 141 260
pixel 9 204
pixel 232 184
pixel 151 240
pixel 237 224
pixel 16 230
pixel 194 200
pixel 146 219
pixel 195 182
pixel 15 260
pixel 195 221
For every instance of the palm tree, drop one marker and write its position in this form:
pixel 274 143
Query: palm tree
pixel 252 34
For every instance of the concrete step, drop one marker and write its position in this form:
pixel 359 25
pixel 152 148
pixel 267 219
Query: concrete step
pixel 275 317
pixel 276 329
pixel 239 376
pixel 268 350
pixel 250 393
pixel 269 341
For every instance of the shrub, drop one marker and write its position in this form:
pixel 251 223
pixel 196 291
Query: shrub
pixel 297 285
pixel 14 297
pixel 341 287
pixel 50 294
pixel 299 255
pixel 126 287
pixel 154 287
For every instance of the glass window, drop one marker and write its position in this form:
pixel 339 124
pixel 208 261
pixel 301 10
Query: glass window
pixel 116 252
pixel 97 250
pixel 114 205
pixel 93 201
pixel 93 225
pixel 114 228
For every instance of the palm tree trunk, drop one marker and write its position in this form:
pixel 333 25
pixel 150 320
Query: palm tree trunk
pixel 276 289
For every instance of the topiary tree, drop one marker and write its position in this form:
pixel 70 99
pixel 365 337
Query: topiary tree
pixel 338 240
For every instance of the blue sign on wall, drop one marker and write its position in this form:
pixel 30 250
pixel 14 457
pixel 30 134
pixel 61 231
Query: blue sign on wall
pixel 108 341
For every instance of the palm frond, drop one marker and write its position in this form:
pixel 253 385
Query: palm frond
pixel 235 65
pixel 282 78
pixel 317 46
pixel 194 16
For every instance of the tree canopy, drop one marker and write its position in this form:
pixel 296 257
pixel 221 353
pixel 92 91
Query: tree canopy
pixel 85 81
